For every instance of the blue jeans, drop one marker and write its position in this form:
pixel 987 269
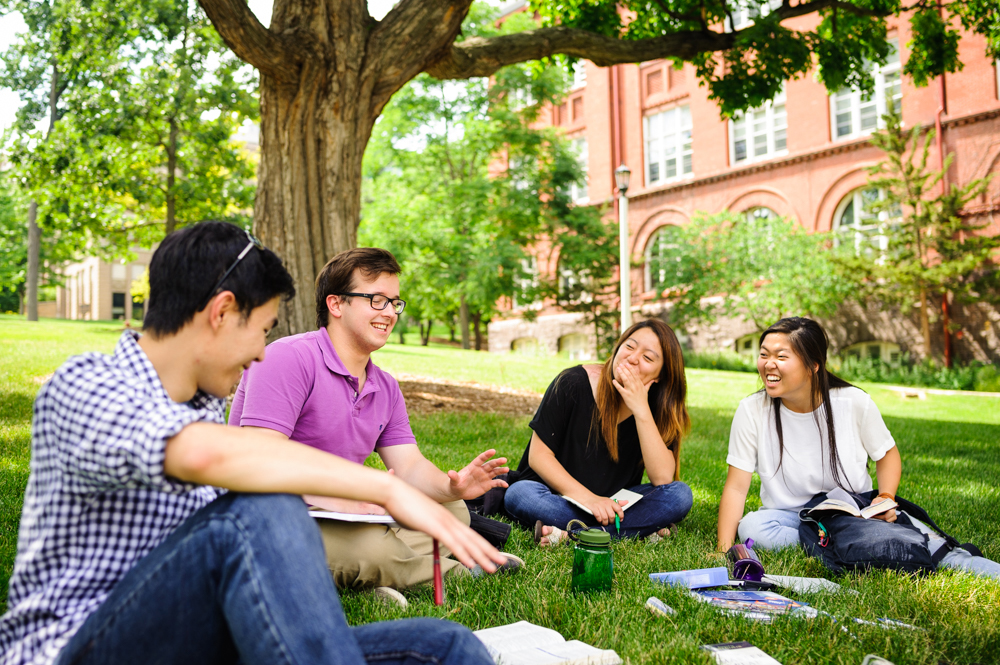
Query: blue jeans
pixel 244 580
pixel 773 529
pixel 662 505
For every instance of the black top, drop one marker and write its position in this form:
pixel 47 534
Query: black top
pixel 563 423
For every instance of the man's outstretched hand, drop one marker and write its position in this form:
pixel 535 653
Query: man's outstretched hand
pixel 413 509
pixel 479 477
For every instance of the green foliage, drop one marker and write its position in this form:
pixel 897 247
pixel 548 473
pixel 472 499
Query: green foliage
pixel 926 246
pixel 148 98
pixel 926 374
pixel 763 54
pixel 757 269
pixel 459 185
pixel 721 360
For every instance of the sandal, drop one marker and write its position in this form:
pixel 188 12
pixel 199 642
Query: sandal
pixel 554 537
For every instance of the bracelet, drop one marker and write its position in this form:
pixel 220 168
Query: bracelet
pixel 886 495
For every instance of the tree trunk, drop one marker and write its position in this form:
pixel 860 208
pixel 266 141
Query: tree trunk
pixel 34 254
pixel 477 320
pixel 309 181
pixel 34 233
pixel 463 322
pixel 171 221
pixel 425 339
pixel 925 325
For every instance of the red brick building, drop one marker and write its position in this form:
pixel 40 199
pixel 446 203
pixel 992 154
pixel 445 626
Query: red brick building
pixel 802 156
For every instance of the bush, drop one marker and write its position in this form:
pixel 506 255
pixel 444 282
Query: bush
pixel 927 374
pixel 726 360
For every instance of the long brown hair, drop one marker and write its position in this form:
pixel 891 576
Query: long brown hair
pixel 810 344
pixel 666 396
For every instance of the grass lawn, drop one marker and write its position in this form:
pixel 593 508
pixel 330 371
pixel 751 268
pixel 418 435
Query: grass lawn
pixel 951 464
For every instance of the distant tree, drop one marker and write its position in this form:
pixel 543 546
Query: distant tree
pixel 927 246
pixel 755 269
pixel 328 69
pixel 462 187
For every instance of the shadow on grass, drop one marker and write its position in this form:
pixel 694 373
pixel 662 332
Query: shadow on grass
pixel 16 409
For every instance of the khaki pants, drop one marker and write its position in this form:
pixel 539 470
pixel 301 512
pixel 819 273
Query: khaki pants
pixel 370 555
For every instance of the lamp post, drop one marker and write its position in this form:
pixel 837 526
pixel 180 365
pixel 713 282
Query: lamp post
pixel 622 174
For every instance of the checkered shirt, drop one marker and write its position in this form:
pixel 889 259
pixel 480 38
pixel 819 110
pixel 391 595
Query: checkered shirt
pixel 97 499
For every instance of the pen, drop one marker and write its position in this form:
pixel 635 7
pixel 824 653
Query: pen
pixel 618 521
pixel 438 583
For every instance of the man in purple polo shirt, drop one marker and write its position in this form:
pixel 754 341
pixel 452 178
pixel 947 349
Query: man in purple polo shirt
pixel 322 389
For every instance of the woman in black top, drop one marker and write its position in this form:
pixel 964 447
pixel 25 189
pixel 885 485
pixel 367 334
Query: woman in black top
pixel 595 432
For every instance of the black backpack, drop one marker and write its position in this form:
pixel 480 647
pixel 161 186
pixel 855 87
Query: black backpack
pixel 851 543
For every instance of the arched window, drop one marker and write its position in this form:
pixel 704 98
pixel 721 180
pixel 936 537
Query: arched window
pixel 863 217
pixel 663 255
pixel 526 346
pixel 575 346
pixel 760 212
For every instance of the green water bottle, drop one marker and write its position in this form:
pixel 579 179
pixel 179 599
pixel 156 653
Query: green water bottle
pixel 593 568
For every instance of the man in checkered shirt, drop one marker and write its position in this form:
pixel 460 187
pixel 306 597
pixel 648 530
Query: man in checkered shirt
pixel 129 552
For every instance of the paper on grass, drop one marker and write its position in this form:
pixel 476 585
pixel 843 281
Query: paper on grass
pixel 804 584
pixel 739 653
pixel 524 643
pixel 620 495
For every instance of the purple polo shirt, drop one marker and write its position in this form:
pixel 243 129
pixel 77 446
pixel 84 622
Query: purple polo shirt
pixel 303 390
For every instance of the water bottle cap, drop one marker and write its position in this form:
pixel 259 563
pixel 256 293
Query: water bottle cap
pixel 594 537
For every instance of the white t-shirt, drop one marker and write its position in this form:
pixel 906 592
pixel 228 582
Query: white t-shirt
pixel 805 468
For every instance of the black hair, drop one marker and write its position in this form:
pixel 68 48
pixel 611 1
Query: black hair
pixel 189 262
pixel 810 343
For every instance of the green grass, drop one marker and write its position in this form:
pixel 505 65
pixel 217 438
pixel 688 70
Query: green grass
pixel 951 464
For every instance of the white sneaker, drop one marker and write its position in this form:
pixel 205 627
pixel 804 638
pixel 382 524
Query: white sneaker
pixel 390 596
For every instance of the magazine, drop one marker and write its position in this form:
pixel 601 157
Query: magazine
pixel 756 605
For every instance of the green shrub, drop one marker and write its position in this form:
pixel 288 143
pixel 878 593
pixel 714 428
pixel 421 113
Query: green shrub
pixel 926 374
pixel 726 360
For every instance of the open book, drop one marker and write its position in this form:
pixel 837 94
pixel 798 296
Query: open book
pixel 840 500
pixel 620 495
pixel 524 643
pixel 319 513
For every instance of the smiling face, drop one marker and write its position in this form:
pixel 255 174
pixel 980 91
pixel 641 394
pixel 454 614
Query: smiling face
pixel 642 352
pixel 237 343
pixel 367 328
pixel 784 374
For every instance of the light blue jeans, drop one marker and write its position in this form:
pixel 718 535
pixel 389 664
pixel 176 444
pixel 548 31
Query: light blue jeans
pixel 244 580
pixel 773 529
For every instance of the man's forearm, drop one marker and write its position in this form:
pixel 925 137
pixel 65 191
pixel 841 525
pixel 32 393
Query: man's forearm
pixel 429 479
pixel 247 461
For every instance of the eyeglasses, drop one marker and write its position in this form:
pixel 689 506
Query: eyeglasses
pixel 254 242
pixel 380 301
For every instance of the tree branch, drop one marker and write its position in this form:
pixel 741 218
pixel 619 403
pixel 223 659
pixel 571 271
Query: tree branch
pixel 482 57
pixel 787 11
pixel 253 43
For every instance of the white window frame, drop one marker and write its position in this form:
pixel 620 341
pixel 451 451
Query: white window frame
pixel 852 101
pixel 578 75
pixel 580 194
pixel 868 228
pixel 774 117
pixel 529 265
pixel 678 141
pixel 655 240
pixel 744 15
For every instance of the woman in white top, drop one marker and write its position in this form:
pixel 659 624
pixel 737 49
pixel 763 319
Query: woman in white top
pixel 806 432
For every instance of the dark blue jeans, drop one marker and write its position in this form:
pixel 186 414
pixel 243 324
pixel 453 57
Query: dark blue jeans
pixel 662 505
pixel 244 580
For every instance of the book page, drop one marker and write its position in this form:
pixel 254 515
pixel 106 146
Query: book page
pixel 621 495
pixel 882 506
pixel 835 504
pixel 803 584
pixel 563 653
pixel 520 635
pixel 388 520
